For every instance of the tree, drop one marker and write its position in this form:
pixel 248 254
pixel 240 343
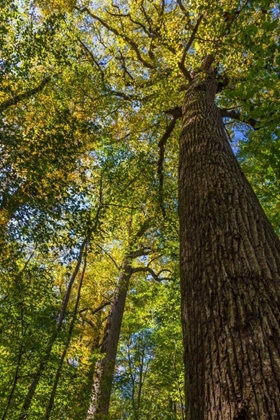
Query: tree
pixel 149 375
pixel 229 273
pixel 139 57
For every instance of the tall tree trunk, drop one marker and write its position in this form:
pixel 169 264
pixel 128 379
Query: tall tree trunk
pixel 230 274
pixel 104 372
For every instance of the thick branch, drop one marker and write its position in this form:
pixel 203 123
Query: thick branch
pixel 142 229
pixel 237 116
pixel 207 62
pixel 139 253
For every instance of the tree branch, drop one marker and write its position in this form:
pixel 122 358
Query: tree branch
pixel 181 64
pixel 182 7
pixel 133 44
pixel 237 116
pixel 25 95
pixel 90 54
pixel 150 271
pixel 139 253
pixel 94 311
pixel 108 255
pixel 161 145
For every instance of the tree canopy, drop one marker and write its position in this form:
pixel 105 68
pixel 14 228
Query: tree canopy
pixel 91 97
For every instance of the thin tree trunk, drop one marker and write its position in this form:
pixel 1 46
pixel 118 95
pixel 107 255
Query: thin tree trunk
pixel 104 372
pixel 230 268
pixel 70 333
pixel 45 358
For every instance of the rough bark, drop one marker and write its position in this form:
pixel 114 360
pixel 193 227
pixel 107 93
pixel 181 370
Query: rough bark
pixel 230 274
pixel 104 372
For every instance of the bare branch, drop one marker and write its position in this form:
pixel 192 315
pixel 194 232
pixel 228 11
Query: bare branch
pixel 153 259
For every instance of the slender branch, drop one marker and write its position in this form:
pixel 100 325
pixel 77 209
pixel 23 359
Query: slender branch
pixel 162 7
pixel 181 64
pixel 90 54
pixel 25 95
pixel 133 44
pixel 108 255
pixel 178 383
pixel 147 17
pixel 94 311
pixel 123 65
pixel 162 143
pixel 121 95
pixel 150 271
pixel 155 258
pixel 117 14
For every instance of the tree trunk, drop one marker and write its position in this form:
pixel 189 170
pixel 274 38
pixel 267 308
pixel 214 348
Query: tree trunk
pixel 230 274
pixel 104 373
pixel 46 357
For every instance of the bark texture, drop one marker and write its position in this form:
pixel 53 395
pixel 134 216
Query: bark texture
pixel 230 274
pixel 104 372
